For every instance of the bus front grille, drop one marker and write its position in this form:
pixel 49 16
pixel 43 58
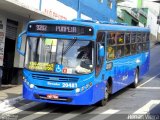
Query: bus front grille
pixel 49 88
pixel 54 78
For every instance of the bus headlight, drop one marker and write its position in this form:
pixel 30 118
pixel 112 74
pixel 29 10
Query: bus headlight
pixel 87 86
pixel 27 83
pixel 83 88
pixel 31 86
pixel 78 90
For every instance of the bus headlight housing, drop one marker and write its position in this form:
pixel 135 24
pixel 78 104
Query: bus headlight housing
pixel 78 90
pixel 83 88
pixel 31 86
pixel 28 84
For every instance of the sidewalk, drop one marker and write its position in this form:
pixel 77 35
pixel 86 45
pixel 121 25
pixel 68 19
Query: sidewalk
pixel 9 97
pixel 10 93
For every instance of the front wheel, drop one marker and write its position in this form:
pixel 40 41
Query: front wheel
pixel 136 79
pixel 104 101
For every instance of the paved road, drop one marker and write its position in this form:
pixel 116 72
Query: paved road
pixel 129 103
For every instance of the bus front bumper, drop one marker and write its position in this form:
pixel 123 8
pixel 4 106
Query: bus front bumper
pixel 64 97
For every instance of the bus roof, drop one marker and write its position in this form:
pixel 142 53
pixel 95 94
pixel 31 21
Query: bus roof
pixel 97 26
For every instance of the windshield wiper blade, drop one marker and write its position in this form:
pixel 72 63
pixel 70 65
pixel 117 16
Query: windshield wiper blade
pixel 69 46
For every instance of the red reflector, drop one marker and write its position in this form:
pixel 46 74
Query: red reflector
pixel 50 96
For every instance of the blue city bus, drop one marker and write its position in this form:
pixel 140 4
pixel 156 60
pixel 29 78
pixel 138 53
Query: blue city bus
pixel 81 62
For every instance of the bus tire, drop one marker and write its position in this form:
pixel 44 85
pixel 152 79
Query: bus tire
pixel 104 101
pixel 136 79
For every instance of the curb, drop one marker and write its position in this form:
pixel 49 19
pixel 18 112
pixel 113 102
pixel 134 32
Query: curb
pixel 4 105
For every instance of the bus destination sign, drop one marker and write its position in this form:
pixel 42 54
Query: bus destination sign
pixel 60 29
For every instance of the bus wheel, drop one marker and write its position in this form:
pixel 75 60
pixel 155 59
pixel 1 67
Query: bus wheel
pixel 136 79
pixel 104 101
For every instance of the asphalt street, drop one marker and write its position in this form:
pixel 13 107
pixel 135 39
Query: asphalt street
pixel 129 103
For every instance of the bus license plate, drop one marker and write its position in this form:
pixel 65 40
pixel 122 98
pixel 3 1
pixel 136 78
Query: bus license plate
pixel 50 96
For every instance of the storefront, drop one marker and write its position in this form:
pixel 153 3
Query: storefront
pixel 13 19
pixel 14 15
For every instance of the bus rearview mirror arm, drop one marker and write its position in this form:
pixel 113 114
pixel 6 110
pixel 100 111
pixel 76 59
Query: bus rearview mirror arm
pixel 19 43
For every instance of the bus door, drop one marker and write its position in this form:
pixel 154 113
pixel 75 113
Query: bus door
pixel 99 70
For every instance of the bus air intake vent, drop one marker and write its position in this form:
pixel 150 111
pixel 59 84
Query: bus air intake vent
pixel 54 78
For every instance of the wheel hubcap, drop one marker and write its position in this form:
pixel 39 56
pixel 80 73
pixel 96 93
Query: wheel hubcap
pixel 106 93
pixel 136 78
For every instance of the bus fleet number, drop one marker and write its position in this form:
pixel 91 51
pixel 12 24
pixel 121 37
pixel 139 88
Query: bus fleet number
pixel 69 85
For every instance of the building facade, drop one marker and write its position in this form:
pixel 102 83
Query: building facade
pixel 15 14
pixel 145 12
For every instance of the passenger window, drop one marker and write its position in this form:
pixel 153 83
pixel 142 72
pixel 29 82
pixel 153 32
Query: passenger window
pixel 120 38
pixel 139 47
pixel 120 51
pixel 145 46
pixel 133 38
pixel 147 37
pixel 127 49
pixel 144 37
pixel 111 38
pixel 127 38
pixel 133 48
pixel 139 37
pixel 111 52
pixel 100 42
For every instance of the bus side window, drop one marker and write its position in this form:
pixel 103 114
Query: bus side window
pixel 120 38
pixel 139 47
pixel 120 51
pixel 111 52
pixel 127 49
pixel 139 37
pixel 100 41
pixel 133 37
pixel 145 46
pixel 144 37
pixel 111 39
pixel 133 48
pixel 147 37
pixel 127 38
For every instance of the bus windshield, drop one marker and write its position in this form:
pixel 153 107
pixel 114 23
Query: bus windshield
pixel 59 55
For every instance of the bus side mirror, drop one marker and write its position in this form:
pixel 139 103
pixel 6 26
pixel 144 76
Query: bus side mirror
pixel 101 51
pixel 19 43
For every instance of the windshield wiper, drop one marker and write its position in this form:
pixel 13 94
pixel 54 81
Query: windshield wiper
pixel 67 48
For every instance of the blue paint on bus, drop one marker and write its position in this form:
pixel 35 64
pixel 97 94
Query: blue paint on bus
pixel 76 85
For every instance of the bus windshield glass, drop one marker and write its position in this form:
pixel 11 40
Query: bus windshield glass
pixel 59 55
